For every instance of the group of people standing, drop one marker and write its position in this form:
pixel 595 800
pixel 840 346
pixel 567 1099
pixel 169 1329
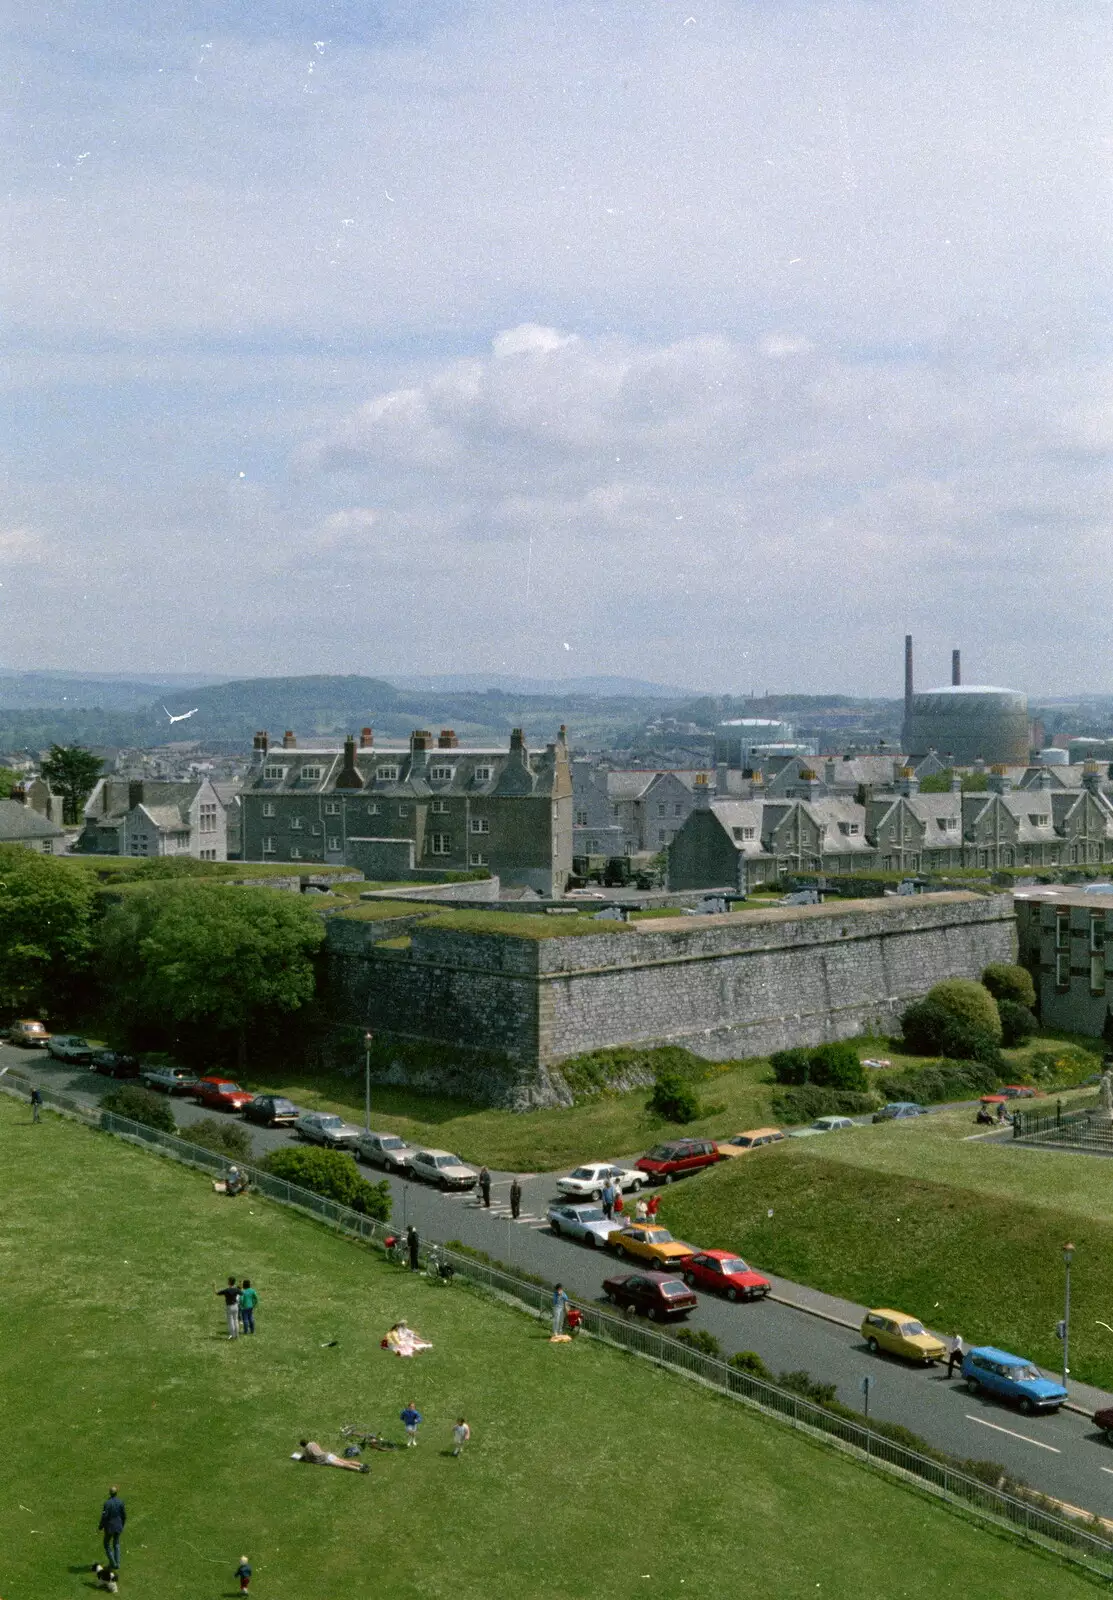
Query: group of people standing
pixel 614 1206
pixel 515 1192
pixel 240 1300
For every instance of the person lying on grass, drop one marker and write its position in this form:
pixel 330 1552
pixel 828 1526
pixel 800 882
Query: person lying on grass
pixel 312 1452
pixel 404 1340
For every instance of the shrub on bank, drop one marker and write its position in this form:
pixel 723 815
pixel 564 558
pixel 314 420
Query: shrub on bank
pixel 1005 981
pixel 140 1105
pixel 809 1101
pixel 230 1139
pixel 334 1174
pixel 1018 1024
pixel 969 1001
pixel 828 1066
pixel 674 1099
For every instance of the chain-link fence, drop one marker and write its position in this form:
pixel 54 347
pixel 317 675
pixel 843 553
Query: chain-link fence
pixel 1035 1519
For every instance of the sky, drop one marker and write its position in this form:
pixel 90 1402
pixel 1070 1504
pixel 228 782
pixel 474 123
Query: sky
pixel 712 343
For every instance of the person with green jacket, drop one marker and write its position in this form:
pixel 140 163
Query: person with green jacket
pixel 248 1301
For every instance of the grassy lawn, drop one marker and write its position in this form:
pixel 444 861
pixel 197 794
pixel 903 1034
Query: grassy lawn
pixel 115 1370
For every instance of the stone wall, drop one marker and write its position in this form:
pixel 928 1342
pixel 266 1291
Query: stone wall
pixel 742 984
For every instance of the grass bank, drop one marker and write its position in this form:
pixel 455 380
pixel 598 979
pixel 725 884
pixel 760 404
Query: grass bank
pixel 128 1379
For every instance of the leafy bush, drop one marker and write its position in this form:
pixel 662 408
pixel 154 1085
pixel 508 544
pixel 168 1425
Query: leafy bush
pixel 970 1001
pixel 749 1361
pixel 1018 1024
pixel 961 1041
pixel 699 1339
pixel 334 1174
pixel 673 1099
pixel 226 1138
pixel 809 1388
pixel 810 1101
pixel 1008 982
pixel 837 1066
pixel 791 1066
pixel 152 1110
pixel 1065 1065
pixel 946 1080
pixel 597 1072
pixel 922 1027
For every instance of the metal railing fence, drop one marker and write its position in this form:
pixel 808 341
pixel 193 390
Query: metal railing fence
pixel 1033 1518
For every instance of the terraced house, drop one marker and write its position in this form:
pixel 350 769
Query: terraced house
pixel 736 843
pixel 400 812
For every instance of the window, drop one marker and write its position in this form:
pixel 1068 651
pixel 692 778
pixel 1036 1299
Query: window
pixel 477 858
pixel 1062 952
pixel 614 812
pixel 403 811
pixel 373 809
pixel 296 824
pixel 482 774
pixel 1039 819
pixel 581 819
pixel 850 827
pixel 268 844
pixel 1097 955
pixel 662 811
pixel 207 819
pixel 480 825
pixel 441 844
pixel 678 809
pixel 48 847
pixel 274 774
pixel 745 833
pixel 948 824
pixel 268 808
pixel 332 808
pixel 441 774
pixel 295 852
pixel 208 855
pixel 439 807
pixel 312 774
pixel 387 774
pixel 333 842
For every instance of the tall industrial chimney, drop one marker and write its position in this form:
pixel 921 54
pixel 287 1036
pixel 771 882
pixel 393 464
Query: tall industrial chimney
pixel 907 675
pixel 956 667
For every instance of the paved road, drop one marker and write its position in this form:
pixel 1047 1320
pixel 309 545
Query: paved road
pixel 1063 1455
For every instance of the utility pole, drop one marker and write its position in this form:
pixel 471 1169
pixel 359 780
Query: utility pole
pixel 367 1038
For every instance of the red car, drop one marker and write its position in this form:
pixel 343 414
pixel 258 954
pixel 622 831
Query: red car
pixel 221 1094
pixel 657 1294
pixel 677 1158
pixel 1019 1091
pixel 725 1273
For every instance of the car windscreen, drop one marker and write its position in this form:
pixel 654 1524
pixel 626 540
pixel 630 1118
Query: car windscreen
pixel 228 1088
pixel 584 1172
pixel 735 1264
pixel 446 1161
pixel 657 1236
pixel 392 1144
pixel 671 1289
pixel 911 1329
pixel 1024 1374
pixel 662 1152
pixel 589 1214
pixel 329 1122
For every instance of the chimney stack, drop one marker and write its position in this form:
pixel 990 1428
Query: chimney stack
pixel 288 740
pixel 420 739
pixel 956 667
pixel 19 794
pixel 135 793
pixel 908 674
pixel 258 751
pixel 448 739
pixel 348 776
pixel 366 739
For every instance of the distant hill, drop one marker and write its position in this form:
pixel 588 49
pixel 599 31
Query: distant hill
pixel 488 682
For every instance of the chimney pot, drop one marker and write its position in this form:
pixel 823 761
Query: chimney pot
pixel 448 739
pixel 956 667
pixel 366 739
pixel 288 740
pixel 421 739
pixel 19 794
pixel 135 793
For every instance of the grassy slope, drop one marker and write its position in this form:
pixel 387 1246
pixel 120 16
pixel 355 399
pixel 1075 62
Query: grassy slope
pixel 124 1376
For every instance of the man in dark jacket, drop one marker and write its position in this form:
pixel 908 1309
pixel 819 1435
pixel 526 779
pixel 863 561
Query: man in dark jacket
pixel 36 1104
pixel 413 1245
pixel 112 1518
pixel 485 1186
pixel 515 1199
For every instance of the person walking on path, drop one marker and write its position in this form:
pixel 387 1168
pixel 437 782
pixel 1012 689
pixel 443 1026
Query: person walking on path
pixel 36 1103
pixel 231 1298
pixel 485 1186
pixel 112 1519
pixel 461 1433
pixel 955 1350
pixel 560 1306
pixel 515 1199
pixel 652 1209
pixel 619 1206
pixel 607 1197
pixel 413 1245
pixel 410 1419
pixel 248 1301
pixel 243 1573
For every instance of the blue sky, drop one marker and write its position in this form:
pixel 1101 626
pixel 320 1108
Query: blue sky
pixel 711 343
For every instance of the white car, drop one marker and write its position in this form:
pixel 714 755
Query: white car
pixel 385 1150
pixel 443 1168
pixel 823 1125
pixel 70 1047
pixel 581 1222
pixel 591 1179
pixel 321 1127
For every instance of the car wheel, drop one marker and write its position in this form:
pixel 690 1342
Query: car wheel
pixel 612 1297
pixel 629 1312
pixel 554 1228
pixel 667 1178
pixel 872 1346
pixel 442 1186
pixel 973 1385
pixel 732 1294
pixel 1109 1435
pixel 653 1313
pixel 690 1279
pixel 591 1241
pixel 1027 1407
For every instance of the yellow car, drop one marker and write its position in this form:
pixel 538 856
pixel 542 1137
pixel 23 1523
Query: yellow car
pixel 753 1139
pixel 901 1335
pixel 655 1246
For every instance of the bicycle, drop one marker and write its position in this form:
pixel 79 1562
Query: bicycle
pixel 396 1249
pixel 362 1438
pixel 437 1265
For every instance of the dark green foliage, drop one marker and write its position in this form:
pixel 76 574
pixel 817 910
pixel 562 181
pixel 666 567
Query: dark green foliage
pixel 594 1073
pixel 71 771
pixel 140 1105
pixel 922 1027
pixel 1107 1029
pixel 838 1066
pixel 931 1028
pixel 674 1099
pixel 1062 1066
pixel 810 1101
pixel 8 781
pixel 700 1339
pixel 943 1081
pixel 1018 1024
pixel 937 782
pixel 334 1174
pixel 1008 982
pixel 962 1042
pixel 791 1066
pixel 809 1388
pixel 749 1361
pixel 971 1002
pixel 46 909
pixel 226 1138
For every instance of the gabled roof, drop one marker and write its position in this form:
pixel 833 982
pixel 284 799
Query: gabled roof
pixel 18 822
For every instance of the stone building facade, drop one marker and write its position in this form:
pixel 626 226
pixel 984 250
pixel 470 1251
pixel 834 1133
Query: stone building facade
pixel 148 817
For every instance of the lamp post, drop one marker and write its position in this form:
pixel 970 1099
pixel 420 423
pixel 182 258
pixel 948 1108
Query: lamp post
pixel 367 1038
pixel 1068 1254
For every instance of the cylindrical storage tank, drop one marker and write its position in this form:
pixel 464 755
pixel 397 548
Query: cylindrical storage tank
pixel 969 721
pixel 1052 757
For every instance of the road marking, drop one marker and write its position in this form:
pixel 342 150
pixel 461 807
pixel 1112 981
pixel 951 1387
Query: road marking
pixel 1107 1469
pixel 1039 1444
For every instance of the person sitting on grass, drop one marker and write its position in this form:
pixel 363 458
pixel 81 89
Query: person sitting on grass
pixel 405 1341
pixel 312 1452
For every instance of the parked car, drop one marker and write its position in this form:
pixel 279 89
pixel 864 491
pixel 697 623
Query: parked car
pixel 752 1139
pixel 677 1158
pixel 323 1127
pixel 31 1035
pixel 822 1125
pixel 272 1110
pixel 444 1169
pixel 1104 1420
pixel 655 1294
pixel 591 1179
pixel 70 1047
pixel 725 1273
pixel 897 1109
pixel 585 1222
pixel 643 1242
pixel 898 1334
pixel 115 1064
pixel 385 1150
pixel 169 1080
pixel 1019 1091
pixel 1011 1377
pixel 220 1094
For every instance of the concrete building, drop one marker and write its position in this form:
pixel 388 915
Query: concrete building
pixel 144 817
pixel 399 812
pixel 964 722
pixel 1065 939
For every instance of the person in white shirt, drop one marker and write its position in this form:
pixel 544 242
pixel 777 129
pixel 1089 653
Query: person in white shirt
pixel 955 1348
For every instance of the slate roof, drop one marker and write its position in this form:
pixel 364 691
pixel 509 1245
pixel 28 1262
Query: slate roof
pixel 19 822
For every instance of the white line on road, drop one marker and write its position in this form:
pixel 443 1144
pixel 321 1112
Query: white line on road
pixel 1039 1444
pixel 1108 1469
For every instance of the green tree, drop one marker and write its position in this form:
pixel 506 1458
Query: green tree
pixel 334 1174
pixel 1008 982
pixel 673 1098
pixel 969 1001
pixel 71 771
pixel 46 909
pixel 8 781
pixel 838 1066
pixel 207 964
pixel 140 1105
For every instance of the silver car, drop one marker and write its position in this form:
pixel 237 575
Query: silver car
pixel 322 1127
pixel 581 1222
pixel 70 1047
pixel 385 1150
pixel 443 1168
pixel 823 1125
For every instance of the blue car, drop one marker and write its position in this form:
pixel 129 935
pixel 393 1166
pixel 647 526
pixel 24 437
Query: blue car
pixel 1012 1378
pixel 899 1108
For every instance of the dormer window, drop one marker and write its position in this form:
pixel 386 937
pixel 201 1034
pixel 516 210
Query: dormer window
pixel 274 774
pixel 441 774
pixel 312 774
pixel 948 824
pixel 745 833
pixel 387 774
pixel 1039 819
pixel 482 774
pixel 850 827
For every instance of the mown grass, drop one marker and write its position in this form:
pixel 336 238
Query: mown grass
pixel 115 1370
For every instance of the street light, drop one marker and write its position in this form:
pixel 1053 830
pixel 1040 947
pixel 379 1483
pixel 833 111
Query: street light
pixel 1068 1255
pixel 367 1038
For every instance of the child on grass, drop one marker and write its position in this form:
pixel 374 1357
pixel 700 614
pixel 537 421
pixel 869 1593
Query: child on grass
pixel 461 1433
pixel 243 1573
pixel 410 1417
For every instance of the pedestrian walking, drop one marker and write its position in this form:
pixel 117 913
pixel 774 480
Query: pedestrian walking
pixel 485 1186
pixel 243 1573
pixel 112 1519
pixel 36 1104
pixel 652 1208
pixel 607 1197
pixel 413 1245
pixel 955 1351
pixel 410 1419
pixel 249 1299
pixel 560 1306
pixel 461 1433
pixel 231 1298
pixel 515 1199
